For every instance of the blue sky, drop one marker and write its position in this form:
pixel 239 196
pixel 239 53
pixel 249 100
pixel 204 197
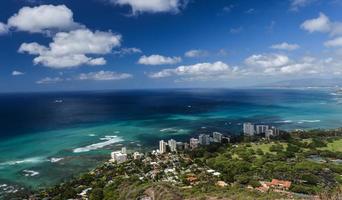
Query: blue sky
pixel 120 44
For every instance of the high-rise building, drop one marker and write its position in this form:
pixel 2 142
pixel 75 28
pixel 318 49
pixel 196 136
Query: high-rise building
pixel 186 146
pixel 137 155
pixel 162 146
pixel 248 129
pixel 226 139
pixel 217 137
pixel 275 131
pixel 180 145
pixel 173 145
pixel 260 129
pixel 124 150
pixel 269 133
pixel 193 143
pixel 204 139
pixel 118 156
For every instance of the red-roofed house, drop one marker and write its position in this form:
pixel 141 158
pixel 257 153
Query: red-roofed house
pixel 279 184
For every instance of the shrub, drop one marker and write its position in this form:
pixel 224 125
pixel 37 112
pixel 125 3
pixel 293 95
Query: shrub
pixel 96 194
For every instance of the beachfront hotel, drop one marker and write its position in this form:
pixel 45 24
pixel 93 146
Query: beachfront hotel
pixel 118 157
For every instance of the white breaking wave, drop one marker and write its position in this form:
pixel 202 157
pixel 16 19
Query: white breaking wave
pixel 30 173
pixel 54 160
pixel 298 121
pixel 4 188
pixel 168 130
pixel 108 140
pixel 24 161
pixel 92 135
pixel 309 121
pixel 284 121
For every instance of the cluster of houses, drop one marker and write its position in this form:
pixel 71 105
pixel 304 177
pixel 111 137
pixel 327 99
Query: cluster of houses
pixel 165 164
pixel 250 129
pixel 166 167
pixel 275 184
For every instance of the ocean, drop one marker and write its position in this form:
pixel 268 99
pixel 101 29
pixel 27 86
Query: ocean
pixel 46 138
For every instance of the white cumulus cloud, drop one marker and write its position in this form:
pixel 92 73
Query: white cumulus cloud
pixel 158 60
pixel 152 6
pixel 3 28
pixel 267 60
pixel 97 61
pixel 199 71
pixel 297 4
pixel 49 80
pixel 195 53
pixel 323 24
pixel 71 49
pixel 32 48
pixel 280 65
pixel 104 76
pixel 285 46
pixel 295 68
pixel 336 42
pixel 127 51
pixel 17 73
pixel 320 24
pixel 43 18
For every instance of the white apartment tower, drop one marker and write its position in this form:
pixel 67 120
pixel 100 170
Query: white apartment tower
pixel 173 145
pixel 162 146
pixel 276 131
pixel 261 129
pixel 269 133
pixel 248 129
pixel 217 137
pixel 204 139
pixel 118 157
pixel 193 143
pixel 124 150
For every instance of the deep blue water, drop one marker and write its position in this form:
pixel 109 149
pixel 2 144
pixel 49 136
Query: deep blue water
pixel 35 112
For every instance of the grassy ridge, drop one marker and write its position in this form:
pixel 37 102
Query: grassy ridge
pixel 334 146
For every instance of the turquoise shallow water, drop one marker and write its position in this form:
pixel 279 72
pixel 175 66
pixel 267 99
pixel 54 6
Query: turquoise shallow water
pixel 49 142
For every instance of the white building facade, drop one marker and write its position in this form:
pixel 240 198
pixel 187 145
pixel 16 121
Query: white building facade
pixel 194 143
pixel 260 129
pixel 217 137
pixel 162 147
pixel 172 145
pixel 204 139
pixel 118 156
pixel 248 129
